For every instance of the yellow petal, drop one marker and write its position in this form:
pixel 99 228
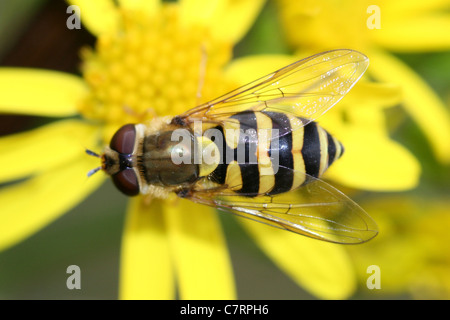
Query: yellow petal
pixel 146 270
pixel 322 268
pixel 420 101
pixel 148 6
pixel 401 8
pixel 199 11
pixel 373 161
pixel 377 94
pixel 414 234
pixel 200 253
pixel 38 150
pixel 368 117
pixel 39 92
pixel 427 33
pixel 233 23
pixel 31 205
pixel 100 16
pixel 363 106
pixel 227 19
pixel 246 69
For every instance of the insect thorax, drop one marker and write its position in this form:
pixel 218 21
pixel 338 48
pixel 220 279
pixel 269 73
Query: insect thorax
pixel 159 159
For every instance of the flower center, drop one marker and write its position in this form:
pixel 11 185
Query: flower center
pixel 152 66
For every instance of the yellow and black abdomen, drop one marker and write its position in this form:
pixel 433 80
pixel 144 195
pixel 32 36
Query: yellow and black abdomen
pixel 269 152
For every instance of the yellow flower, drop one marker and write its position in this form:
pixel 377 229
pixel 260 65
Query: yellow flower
pixel 148 58
pixel 151 58
pixel 412 251
pixel 376 27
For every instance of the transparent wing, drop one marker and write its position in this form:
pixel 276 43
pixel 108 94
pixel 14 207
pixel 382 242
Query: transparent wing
pixel 306 88
pixel 316 210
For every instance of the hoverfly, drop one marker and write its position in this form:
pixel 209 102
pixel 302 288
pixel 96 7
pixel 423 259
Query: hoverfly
pixel 283 105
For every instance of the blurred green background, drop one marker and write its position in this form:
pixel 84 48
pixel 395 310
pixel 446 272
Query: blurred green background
pixel 90 235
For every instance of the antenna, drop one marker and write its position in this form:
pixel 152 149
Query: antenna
pixel 92 153
pixel 91 172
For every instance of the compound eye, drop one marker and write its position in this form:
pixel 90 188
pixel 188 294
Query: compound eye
pixel 123 139
pixel 127 182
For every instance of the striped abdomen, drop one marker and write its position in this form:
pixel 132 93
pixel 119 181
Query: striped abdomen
pixel 270 149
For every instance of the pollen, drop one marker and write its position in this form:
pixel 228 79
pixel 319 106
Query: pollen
pixel 151 66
